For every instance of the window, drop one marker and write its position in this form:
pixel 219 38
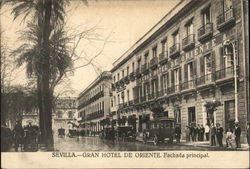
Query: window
pixel 208 64
pixel 191 115
pixel 146 58
pixel 122 73
pixel 118 76
pixel 70 114
pixel 176 37
pixel 154 52
pixel 165 113
pixel 228 57
pixel 176 75
pixel 118 97
pixel 189 28
pixel 206 16
pixel 189 71
pixel 128 70
pixel 59 114
pixel 164 46
pixel 114 100
pixel 133 67
pixel 139 63
pixel 164 81
pixel 128 95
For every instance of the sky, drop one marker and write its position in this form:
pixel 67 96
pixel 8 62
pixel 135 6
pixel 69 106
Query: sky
pixel 123 21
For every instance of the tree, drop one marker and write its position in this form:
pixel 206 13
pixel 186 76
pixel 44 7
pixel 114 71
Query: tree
pixel 17 102
pixel 48 57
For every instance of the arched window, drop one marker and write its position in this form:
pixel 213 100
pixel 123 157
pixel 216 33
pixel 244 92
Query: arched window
pixel 70 114
pixel 228 56
pixel 59 114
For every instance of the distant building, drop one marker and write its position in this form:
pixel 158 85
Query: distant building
pixel 31 117
pixel 94 103
pixel 65 112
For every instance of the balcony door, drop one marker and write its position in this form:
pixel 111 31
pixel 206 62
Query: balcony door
pixel 191 115
pixel 176 38
pixel 189 28
pixel 206 16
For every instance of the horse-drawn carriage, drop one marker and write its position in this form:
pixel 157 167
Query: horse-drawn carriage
pixel 31 139
pixel 161 130
pixel 125 133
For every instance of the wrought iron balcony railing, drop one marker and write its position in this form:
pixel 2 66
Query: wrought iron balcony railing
pixel 226 19
pixel 153 63
pixel 205 32
pixel 188 42
pixel 206 79
pixel 174 50
pixel 224 73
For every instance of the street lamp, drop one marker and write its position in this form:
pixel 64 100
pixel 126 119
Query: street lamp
pixel 228 43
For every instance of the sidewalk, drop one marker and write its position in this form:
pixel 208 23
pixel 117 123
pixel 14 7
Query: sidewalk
pixel 207 145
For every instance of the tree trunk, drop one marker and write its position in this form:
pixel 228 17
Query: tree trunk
pixel 40 107
pixel 46 95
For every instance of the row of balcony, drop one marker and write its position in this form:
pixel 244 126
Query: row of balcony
pixel 92 99
pixel 211 78
pixel 95 115
pixel 208 79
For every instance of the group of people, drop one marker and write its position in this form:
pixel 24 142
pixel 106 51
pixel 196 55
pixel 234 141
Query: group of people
pixel 196 133
pixel 214 134
pixel 27 136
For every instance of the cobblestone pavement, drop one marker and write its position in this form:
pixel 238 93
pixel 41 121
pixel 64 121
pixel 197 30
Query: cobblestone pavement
pixel 97 144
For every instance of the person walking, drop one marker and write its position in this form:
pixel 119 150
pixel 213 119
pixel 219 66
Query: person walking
pixel 187 133
pixel 248 133
pixel 219 134
pixel 229 137
pixel 202 132
pixel 207 130
pixel 213 133
pixel 199 132
pixel 237 135
pixel 178 133
pixel 18 134
pixel 195 133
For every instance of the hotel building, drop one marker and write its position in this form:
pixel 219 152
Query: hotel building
pixel 197 53
pixel 94 103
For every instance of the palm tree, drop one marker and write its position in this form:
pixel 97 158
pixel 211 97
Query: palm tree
pixel 46 26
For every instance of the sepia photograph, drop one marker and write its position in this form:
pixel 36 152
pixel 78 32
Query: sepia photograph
pixel 139 79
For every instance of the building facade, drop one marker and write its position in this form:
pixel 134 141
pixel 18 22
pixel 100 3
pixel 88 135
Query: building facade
pixel 94 103
pixel 196 54
pixel 65 113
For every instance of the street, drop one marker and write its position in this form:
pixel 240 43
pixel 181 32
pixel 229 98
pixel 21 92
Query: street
pixel 97 144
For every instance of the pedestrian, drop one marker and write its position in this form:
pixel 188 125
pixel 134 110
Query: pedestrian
pixel 195 132
pixel 229 137
pixel 192 132
pixel 213 133
pixel 237 133
pixel 202 132
pixel 18 134
pixel 219 134
pixel 6 138
pixel 187 133
pixel 248 133
pixel 207 130
pixel 199 132
pixel 178 133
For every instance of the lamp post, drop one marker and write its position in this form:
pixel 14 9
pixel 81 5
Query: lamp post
pixel 228 43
